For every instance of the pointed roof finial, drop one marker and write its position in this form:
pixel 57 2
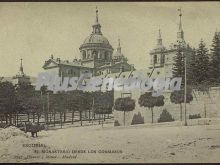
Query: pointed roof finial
pixel 159 37
pixel 180 23
pixel 180 33
pixel 97 17
pixel 21 68
pixel 96 27
pixel 119 46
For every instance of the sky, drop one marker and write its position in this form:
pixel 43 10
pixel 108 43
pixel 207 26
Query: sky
pixel 34 31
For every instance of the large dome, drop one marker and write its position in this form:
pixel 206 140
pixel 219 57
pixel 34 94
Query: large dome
pixel 96 38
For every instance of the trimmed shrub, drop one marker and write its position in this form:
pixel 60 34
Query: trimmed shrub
pixel 125 104
pixel 116 123
pixel 137 119
pixel 165 116
pixel 194 116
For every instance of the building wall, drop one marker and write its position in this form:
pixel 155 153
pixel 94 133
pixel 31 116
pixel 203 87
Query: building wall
pixel 52 70
pixel 200 103
pixel 69 71
pixel 117 67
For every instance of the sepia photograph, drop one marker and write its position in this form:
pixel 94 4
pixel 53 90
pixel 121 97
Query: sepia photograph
pixel 110 82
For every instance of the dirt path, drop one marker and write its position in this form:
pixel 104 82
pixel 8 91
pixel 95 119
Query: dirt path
pixel 123 144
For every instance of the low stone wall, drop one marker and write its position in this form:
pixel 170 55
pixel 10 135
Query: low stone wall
pixel 207 105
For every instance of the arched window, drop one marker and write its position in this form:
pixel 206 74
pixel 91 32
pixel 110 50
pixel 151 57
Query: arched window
pixel 95 54
pixel 84 54
pixel 71 71
pixel 106 55
pixel 155 59
pixel 162 58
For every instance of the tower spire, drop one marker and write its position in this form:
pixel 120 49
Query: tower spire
pixel 159 39
pixel 21 68
pixel 119 46
pixel 159 34
pixel 180 33
pixel 180 23
pixel 97 16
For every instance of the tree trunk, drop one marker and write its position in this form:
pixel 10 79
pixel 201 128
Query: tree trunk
pixel 54 119
pixel 89 115
pixel 80 115
pixel 64 117
pixel 10 122
pixel 104 117
pixel 44 113
pixel 86 114
pixel 38 118
pixel 33 117
pixel 93 116
pixel 124 118
pixel 61 119
pixel 1 118
pixel 72 116
pixel 99 119
pixel 181 112
pixel 6 118
pixel 28 117
pixel 14 116
pixel 50 113
pixel 45 117
pixel 17 117
pixel 152 114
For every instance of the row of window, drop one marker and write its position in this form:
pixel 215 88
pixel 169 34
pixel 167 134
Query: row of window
pixel 157 60
pixel 95 55
pixel 72 72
